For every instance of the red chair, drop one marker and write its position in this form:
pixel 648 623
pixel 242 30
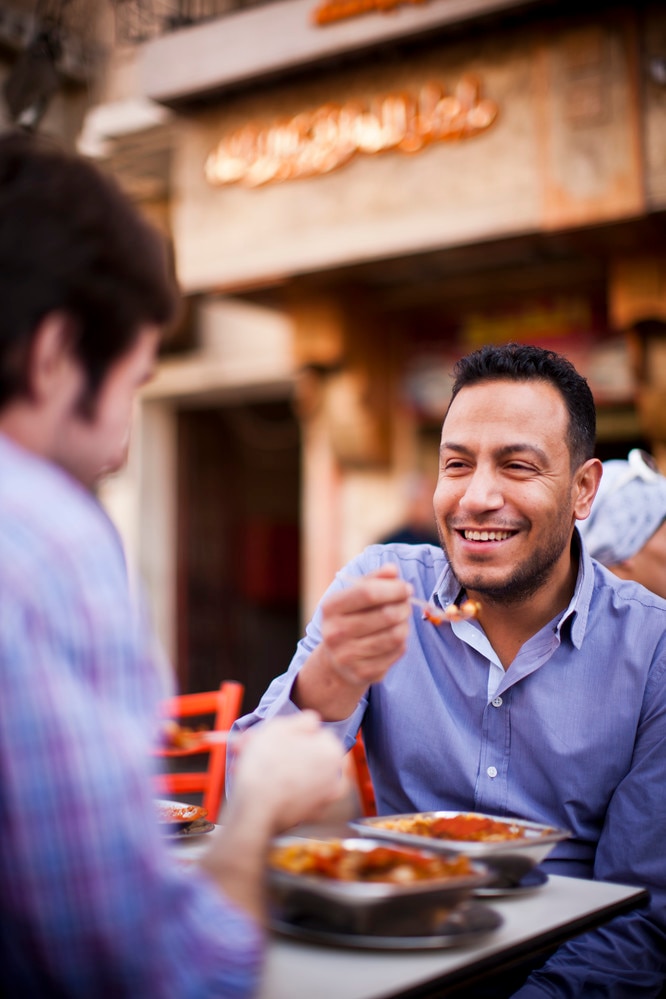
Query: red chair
pixel 361 774
pixel 224 706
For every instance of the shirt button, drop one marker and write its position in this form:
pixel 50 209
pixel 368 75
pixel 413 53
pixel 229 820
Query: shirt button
pixel 497 702
pixel 492 771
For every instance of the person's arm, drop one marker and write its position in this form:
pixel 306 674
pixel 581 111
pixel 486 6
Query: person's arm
pixel 626 957
pixel 364 630
pixel 287 771
pixel 87 875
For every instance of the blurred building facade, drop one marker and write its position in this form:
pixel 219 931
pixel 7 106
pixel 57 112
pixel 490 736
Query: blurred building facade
pixel 53 55
pixel 358 193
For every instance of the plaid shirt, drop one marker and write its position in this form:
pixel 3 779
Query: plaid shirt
pixel 92 904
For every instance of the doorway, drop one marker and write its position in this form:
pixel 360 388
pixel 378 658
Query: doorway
pixel 238 544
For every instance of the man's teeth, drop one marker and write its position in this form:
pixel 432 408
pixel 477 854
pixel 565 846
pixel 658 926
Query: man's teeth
pixel 487 535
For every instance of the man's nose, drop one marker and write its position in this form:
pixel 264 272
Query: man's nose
pixel 483 491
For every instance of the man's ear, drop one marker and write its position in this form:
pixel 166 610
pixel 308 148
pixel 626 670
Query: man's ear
pixel 586 483
pixel 51 363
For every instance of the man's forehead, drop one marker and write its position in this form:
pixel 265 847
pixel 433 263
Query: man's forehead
pixel 506 399
pixel 507 416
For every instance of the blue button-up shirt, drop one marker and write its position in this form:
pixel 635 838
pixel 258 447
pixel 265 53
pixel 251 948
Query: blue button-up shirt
pixel 573 734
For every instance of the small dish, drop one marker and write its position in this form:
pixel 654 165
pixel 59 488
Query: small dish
pixel 177 815
pixel 197 828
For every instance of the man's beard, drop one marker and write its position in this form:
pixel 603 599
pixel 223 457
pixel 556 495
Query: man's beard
pixel 525 580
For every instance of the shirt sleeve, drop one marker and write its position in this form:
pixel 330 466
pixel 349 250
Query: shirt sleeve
pixel 626 957
pixel 276 701
pixel 93 904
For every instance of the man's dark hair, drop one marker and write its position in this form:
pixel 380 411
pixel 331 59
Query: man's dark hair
pixel 525 362
pixel 71 241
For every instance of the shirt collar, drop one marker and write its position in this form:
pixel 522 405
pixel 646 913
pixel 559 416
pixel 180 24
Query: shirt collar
pixel 579 605
pixel 448 590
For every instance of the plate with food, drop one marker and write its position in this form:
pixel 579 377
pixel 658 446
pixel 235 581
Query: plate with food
pixel 177 815
pixel 510 847
pixel 366 886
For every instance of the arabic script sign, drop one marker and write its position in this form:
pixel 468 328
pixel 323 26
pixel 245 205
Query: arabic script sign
pixel 325 139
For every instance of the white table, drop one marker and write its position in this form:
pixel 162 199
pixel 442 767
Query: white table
pixel 559 910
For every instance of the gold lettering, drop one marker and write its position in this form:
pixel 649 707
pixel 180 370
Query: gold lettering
pixel 319 141
pixel 395 119
pixel 369 138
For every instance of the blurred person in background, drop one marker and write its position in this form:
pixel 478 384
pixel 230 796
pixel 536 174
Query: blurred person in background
pixel 418 527
pixel 92 904
pixel 626 529
pixel 550 705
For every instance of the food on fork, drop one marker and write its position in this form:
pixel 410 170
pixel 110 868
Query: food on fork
pixel 436 615
pixel 452 612
pixel 176 736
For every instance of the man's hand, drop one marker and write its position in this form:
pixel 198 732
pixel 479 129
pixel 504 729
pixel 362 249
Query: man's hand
pixel 364 631
pixel 293 767
pixel 287 770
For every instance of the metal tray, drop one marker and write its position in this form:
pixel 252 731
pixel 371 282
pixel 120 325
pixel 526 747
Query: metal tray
pixel 468 924
pixel 509 860
pixel 368 907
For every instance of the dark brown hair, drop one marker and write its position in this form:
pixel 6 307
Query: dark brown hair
pixel 71 241
pixel 526 362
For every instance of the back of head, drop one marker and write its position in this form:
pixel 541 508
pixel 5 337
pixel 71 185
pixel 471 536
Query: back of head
pixel 526 362
pixel 71 241
pixel 629 507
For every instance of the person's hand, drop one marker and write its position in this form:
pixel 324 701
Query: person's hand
pixel 364 631
pixel 365 627
pixel 286 771
pixel 290 769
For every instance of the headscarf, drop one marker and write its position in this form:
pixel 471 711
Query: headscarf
pixel 628 508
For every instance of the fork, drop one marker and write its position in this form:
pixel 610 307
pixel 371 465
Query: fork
pixel 431 612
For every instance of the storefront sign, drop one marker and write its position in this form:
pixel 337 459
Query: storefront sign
pixel 317 142
pixel 338 10
pixel 571 324
pixel 548 321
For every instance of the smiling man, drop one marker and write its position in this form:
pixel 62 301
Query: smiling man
pixel 551 704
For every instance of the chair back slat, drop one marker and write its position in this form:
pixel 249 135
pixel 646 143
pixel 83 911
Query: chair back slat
pixel 361 773
pixel 224 706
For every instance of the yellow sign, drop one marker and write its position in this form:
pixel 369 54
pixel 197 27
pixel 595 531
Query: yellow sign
pixel 553 320
pixel 317 142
